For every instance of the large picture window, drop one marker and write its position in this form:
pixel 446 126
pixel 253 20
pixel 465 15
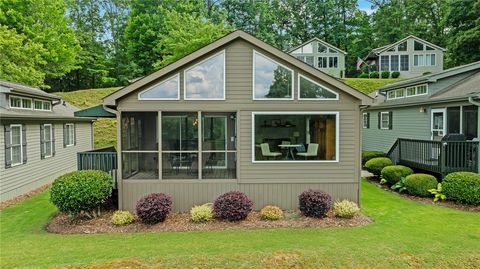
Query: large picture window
pixel 271 80
pixel 206 80
pixel 168 89
pixel 309 89
pixel 295 136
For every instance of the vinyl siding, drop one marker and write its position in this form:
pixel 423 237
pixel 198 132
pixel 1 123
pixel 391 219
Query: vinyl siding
pixel 36 172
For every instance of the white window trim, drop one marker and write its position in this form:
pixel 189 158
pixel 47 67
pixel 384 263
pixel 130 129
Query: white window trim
pixel 43 101
pixel 416 90
pixel 429 56
pixel 21 102
pixel 51 141
pixel 337 134
pixel 68 133
pixel 332 62
pixel 318 99
pixel 381 120
pixel 253 79
pixel 395 90
pixel 176 76
pixel 363 120
pixel 199 63
pixel 11 145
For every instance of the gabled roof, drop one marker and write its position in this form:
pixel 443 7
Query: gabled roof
pixel 318 40
pixel 11 87
pixel 379 50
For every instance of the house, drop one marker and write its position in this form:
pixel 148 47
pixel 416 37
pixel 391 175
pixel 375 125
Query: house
pixel 237 114
pixel 39 138
pixel 411 56
pixel 425 108
pixel 321 55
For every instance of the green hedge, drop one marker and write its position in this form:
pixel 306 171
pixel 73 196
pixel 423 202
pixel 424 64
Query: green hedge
pixel 370 154
pixel 376 165
pixel 463 187
pixel 419 184
pixel 394 173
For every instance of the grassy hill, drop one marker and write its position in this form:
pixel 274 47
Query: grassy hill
pixel 104 130
pixel 368 85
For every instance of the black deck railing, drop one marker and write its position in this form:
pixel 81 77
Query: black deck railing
pixel 104 159
pixel 436 156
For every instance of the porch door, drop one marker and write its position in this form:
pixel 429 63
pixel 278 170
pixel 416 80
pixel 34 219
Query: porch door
pixel 439 118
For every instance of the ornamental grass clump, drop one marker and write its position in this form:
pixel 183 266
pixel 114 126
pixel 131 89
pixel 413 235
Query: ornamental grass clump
pixel 232 206
pixel 81 192
pixel 154 208
pixel 202 213
pixel 121 217
pixel 315 203
pixel 345 209
pixel 463 187
pixel 271 212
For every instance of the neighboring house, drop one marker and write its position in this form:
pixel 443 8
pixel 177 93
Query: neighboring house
pixel 321 55
pixel 237 114
pixel 39 138
pixel 425 108
pixel 411 56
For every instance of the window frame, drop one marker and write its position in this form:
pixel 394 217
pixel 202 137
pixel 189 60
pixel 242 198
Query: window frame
pixel 42 102
pixel 381 120
pixel 21 102
pixel 45 155
pixel 403 56
pixel 177 75
pixel 320 59
pixel 416 90
pixel 72 139
pixel 299 76
pixel 224 79
pixel 396 96
pixel 11 144
pixel 334 61
pixel 292 92
pixel 365 119
pixel 337 135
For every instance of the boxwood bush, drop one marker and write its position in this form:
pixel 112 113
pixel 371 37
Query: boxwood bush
pixel 81 192
pixel 463 187
pixel 271 212
pixel 385 74
pixel 419 184
pixel 232 206
pixel 375 165
pixel 154 208
pixel 370 154
pixel 374 74
pixel 392 174
pixel 363 75
pixel 315 203
pixel 395 74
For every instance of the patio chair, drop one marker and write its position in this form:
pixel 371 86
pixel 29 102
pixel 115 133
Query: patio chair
pixel 312 151
pixel 266 153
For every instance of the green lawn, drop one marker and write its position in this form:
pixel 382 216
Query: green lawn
pixel 368 85
pixel 405 234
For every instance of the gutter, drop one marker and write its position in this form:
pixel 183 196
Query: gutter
pixel 471 101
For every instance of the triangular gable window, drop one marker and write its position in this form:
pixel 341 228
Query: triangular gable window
pixel 168 89
pixel 430 48
pixel 206 80
pixel 309 89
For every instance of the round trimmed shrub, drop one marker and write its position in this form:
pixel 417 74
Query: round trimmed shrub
pixel 394 173
pixel 120 217
pixel 374 74
pixel 202 213
pixel 271 212
pixel 385 74
pixel 81 191
pixel 419 184
pixel 154 208
pixel 463 187
pixel 370 154
pixel 345 209
pixel 395 74
pixel 315 203
pixel 232 206
pixel 375 165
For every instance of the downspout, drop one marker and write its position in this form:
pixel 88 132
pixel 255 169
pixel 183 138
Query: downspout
pixel 473 102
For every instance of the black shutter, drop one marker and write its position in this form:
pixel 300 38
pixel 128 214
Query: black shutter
pixel 64 135
pixel 390 120
pixel 42 141
pixel 24 142
pixel 368 120
pixel 74 134
pixel 379 120
pixel 8 146
pixel 53 139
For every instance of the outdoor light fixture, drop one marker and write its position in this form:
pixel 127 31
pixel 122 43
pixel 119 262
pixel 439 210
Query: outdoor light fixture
pixel 423 109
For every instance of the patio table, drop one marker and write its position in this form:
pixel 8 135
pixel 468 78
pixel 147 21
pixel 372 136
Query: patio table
pixel 289 148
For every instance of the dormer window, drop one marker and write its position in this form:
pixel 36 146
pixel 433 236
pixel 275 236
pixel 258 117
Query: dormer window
pixel 20 102
pixel 42 105
pixel 396 94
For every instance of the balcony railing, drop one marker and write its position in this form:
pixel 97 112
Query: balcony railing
pixel 104 159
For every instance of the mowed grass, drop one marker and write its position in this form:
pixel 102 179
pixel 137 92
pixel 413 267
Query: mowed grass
pixel 404 234
pixel 368 85
pixel 104 130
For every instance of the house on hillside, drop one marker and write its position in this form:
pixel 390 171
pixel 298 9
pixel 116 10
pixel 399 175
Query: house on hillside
pixel 39 138
pixel 425 110
pixel 237 114
pixel 321 55
pixel 411 56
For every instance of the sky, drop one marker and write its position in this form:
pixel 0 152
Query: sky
pixel 365 6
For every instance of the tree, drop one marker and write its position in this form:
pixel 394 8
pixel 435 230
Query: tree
pixel 20 59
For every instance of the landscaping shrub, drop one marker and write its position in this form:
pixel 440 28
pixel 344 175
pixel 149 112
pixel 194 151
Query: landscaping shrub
pixel 395 74
pixel 370 154
pixel 202 213
pixel 463 187
pixel 315 203
pixel 374 74
pixel 385 74
pixel 375 165
pixel 363 75
pixel 122 217
pixel 419 184
pixel 232 206
pixel 81 192
pixel 345 209
pixel 392 174
pixel 154 208
pixel 271 212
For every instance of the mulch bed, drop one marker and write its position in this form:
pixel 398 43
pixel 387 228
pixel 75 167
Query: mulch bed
pixel 23 197
pixel 180 222
pixel 450 204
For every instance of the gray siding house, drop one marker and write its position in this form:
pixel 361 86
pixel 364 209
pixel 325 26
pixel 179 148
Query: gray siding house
pixel 39 138
pixel 237 114
pixel 411 56
pixel 321 55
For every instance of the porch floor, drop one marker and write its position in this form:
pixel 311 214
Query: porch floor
pixel 185 174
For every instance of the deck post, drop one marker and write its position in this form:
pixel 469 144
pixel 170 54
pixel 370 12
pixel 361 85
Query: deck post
pixel 442 159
